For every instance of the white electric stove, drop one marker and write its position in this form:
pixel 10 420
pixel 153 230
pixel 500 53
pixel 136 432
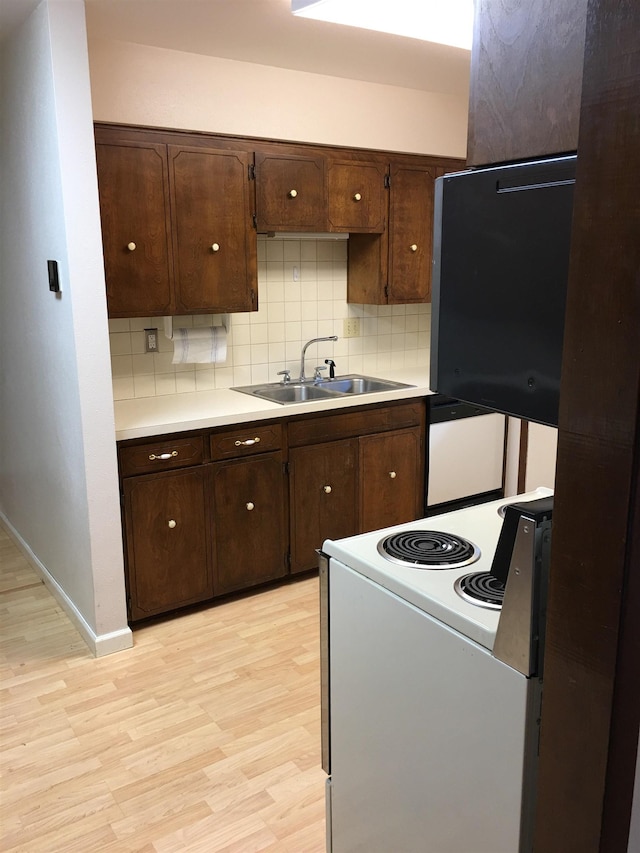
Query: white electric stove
pixel 429 739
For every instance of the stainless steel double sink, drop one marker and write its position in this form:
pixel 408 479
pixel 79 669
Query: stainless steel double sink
pixel 322 389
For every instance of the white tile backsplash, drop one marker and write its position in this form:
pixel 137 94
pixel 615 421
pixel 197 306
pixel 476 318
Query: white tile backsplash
pixel 302 289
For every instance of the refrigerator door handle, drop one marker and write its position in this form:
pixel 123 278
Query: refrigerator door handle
pixel 323 567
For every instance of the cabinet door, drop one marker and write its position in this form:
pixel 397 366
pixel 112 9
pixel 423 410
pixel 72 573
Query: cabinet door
pixel 391 478
pixel 214 243
pixel 324 480
pixel 526 79
pixel 249 540
pixel 357 196
pixel 291 193
pixel 410 234
pixel 168 562
pixel 134 208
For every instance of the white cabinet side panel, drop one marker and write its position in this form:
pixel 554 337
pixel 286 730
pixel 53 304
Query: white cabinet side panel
pixel 542 446
pixel 466 457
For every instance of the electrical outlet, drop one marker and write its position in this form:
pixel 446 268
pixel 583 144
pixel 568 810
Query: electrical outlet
pixel 151 340
pixel 351 328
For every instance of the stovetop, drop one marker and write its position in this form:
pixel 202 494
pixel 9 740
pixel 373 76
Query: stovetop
pixel 432 590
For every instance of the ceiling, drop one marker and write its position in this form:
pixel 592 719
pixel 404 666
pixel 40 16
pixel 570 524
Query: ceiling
pixel 265 32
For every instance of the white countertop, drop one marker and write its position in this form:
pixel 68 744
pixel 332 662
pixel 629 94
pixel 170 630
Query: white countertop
pixel 147 416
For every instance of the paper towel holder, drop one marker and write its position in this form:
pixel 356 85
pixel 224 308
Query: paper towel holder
pixel 225 322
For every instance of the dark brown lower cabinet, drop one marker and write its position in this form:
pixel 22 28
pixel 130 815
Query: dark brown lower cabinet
pixel 248 522
pixel 252 503
pixel 390 478
pixel 167 541
pixel 324 498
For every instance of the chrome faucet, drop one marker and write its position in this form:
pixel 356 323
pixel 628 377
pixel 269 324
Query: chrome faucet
pixel 303 378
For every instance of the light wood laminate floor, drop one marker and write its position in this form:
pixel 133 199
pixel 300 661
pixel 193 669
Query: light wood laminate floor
pixel 204 737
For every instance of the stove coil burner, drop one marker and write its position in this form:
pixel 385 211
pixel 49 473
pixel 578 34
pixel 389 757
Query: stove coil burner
pixel 481 589
pixel 428 549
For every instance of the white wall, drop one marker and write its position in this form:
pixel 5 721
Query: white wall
pixel 58 476
pixel 542 449
pixel 137 84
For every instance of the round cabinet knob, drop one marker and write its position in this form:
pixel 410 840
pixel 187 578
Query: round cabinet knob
pixel 357 197
pixel 327 490
pixel 292 193
pixel 172 523
pixel 250 506
pixel 215 247
pixel 393 475
pixel 131 246
pixel 413 247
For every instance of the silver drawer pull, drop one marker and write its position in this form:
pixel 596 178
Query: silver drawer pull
pixel 247 442
pixel 162 457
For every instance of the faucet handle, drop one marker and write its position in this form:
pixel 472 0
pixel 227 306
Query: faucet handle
pixel 286 374
pixel 317 372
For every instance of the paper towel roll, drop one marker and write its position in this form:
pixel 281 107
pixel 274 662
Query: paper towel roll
pixel 202 345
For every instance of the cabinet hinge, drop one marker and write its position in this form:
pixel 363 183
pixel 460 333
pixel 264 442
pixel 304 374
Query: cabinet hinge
pixel 387 181
pixel 386 291
pixel 255 220
pixel 287 559
pixel 285 467
pixel 252 172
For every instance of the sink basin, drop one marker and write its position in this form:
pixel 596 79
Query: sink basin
pixel 360 385
pixel 293 393
pixel 325 389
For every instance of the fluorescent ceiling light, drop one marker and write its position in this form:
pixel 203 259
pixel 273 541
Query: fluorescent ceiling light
pixel 443 21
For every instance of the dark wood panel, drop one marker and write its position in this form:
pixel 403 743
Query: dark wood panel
pixel 410 234
pixel 214 245
pixel 526 73
pixel 391 479
pixel 324 498
pixel 357 196
pixel 353 423
pixel 249 542
pixel 368 262
pixel 134 210
pixel 291 192
pixel 167 542
pixel 246 440
pixel 591 705
pixel 160 455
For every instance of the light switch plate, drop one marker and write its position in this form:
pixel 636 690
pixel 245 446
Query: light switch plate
pixel 351 327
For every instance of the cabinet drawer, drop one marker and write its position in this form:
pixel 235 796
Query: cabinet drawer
pixel 161 455
pixel 246 441
pixel 356 422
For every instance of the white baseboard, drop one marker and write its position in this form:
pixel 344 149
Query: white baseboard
pixel 99 644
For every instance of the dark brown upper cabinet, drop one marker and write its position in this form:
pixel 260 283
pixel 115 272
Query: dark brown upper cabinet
pixel 319 191
pixel 177 225
pixel 133 182
pixel 357 196
pixel 214 244
pixel 395 267
pixel 526 79
pixel 291 192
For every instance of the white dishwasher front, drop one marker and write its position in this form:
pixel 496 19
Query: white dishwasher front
pixel 466 452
